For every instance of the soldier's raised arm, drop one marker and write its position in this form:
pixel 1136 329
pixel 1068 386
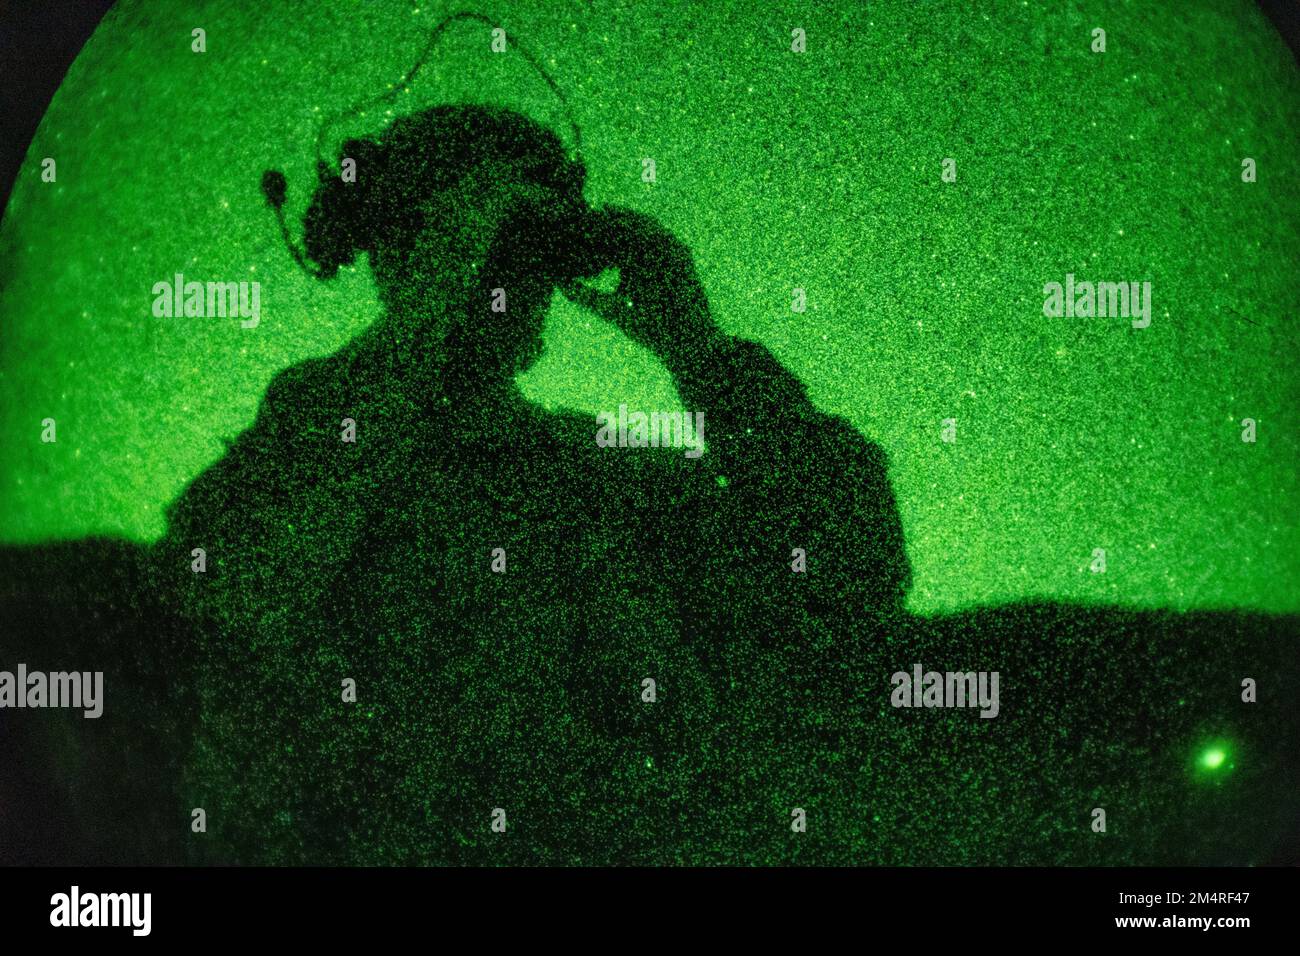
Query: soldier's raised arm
pixel 803 507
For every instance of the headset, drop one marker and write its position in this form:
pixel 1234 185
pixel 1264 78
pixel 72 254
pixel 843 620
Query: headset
pixel 275 186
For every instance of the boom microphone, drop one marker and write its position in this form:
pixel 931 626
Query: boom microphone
pixel 275 188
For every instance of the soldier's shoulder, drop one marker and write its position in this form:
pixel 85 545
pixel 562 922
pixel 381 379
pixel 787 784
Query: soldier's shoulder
pixel 307 384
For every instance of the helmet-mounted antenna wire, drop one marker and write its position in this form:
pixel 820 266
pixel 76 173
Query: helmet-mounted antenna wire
pixel 274 185
pixel 405 82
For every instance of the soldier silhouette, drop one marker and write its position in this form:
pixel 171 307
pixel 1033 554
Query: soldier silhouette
pixel 410 617
pixel 466 531
pixel 633 656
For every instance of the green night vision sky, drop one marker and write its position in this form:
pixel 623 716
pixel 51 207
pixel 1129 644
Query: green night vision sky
pixel 819 171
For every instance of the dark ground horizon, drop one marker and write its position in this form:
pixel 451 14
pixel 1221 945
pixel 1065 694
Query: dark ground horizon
pixel 108 791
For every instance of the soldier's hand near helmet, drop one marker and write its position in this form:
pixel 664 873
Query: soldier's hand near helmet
pixel 794 474
pixel 659 302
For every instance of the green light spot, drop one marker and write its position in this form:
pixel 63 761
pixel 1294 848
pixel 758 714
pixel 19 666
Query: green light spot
pixel 1215 758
